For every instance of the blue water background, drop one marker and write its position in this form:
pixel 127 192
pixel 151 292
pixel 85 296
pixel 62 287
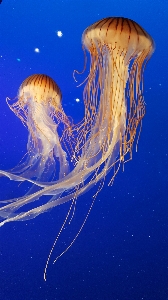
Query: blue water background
pixel 122 252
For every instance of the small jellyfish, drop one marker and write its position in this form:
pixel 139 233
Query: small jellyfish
pixel 38 105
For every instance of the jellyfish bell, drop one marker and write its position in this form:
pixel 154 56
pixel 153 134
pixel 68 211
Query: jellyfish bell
pixel 121 35
pixel 42 88
pixel 38 105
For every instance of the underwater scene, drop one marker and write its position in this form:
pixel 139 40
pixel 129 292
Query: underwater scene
pixel 83 150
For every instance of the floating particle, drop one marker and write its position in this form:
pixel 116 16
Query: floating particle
pixel 59 33
pixel 37 50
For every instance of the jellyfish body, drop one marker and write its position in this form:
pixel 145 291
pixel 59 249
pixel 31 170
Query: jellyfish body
pixel 114 108
pixel 113 94
pixel 39 101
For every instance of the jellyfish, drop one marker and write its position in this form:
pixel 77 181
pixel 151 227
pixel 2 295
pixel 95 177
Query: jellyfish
pixel 119 49
pixel 38 105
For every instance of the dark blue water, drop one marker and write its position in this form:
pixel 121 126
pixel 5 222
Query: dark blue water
pixel 122 252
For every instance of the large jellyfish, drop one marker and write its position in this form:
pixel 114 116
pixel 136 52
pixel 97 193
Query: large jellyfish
pixel 114 108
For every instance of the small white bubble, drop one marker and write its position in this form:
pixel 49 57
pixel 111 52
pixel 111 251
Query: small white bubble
pixel 59 33
pixel 37 50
